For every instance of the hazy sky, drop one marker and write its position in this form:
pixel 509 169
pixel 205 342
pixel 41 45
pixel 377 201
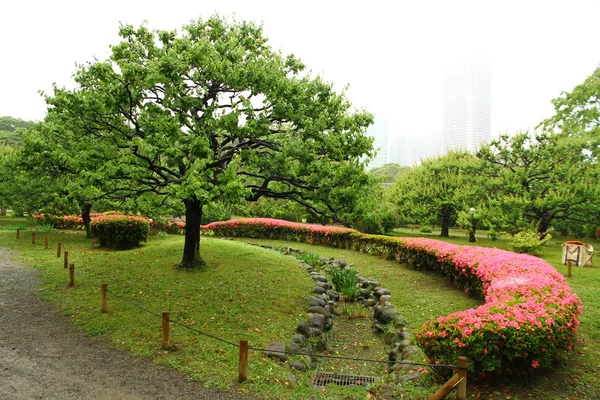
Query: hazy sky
pixel 392 54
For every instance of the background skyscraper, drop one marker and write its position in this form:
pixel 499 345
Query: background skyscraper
pixel 379 131
pixel 467 107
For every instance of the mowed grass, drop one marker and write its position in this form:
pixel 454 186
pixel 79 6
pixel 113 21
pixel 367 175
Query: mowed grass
pixel 258 294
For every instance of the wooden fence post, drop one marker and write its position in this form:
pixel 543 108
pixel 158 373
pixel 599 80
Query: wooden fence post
pixel 103 290
pixel 58 249
pixel 71 275
pixel 18 233
pixel 461 390
pixel 243 366
pixel 32 237
pixel 66 259
pixel 569 267
pixel 46 242
pixel 165 330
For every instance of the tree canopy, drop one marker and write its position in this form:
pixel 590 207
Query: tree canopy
pixel 214 114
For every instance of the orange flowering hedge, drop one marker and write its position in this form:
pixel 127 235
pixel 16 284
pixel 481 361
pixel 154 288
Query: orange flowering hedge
pixel 529 318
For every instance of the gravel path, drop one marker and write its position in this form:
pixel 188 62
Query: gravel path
pixel 42 356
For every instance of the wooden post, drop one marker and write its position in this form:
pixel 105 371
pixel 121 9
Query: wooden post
pixel 165 330
pixel 569 266
pixel 461 390
pixel 243 366
pixel 447 388
pixel 46 242
pixel 18 233
pixel 71 275
pixel 103 290
pixel 32 237
pixel 66 259
pixel 58 248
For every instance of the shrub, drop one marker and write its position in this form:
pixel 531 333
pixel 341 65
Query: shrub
pixel 310 258
pixel 119 231
pixel 425 229
pixel 529 318
pixel 528 242
pixel 345 281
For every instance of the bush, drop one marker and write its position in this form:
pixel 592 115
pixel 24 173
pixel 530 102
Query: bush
pixel 345 281
pixel 528 242
pixel 120 232
pixel 425 229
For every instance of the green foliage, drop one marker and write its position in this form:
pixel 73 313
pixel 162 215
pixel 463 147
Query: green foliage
pixel 425 229
pixel 528 242
pixel 44 227
pixel 345 281
pixel 438 188
pixel 234 121
pixel 310 258
pixel 389 173
pixel 120 232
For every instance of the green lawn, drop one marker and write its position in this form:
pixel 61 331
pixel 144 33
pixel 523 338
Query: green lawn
pixel 258 294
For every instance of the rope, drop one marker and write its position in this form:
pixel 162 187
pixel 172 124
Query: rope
pixel 126 300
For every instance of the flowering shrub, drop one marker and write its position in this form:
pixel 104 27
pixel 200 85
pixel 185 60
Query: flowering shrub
pixel 71 221
pixel 120 231
pixel 529 317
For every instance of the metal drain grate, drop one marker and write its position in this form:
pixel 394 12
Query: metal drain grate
pixel 322 379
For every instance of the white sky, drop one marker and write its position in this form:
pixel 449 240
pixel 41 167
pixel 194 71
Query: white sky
pixel 392 54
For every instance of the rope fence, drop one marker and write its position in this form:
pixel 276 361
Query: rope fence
pixel 458 380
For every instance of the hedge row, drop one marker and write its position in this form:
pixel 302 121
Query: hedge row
pixel 529 318
pixel 75 222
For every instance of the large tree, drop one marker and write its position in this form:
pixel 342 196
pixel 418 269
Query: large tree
pixel 214 114
pixel 439 188
pixel 542 178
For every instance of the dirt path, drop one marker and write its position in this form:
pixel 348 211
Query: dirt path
pixel 42 356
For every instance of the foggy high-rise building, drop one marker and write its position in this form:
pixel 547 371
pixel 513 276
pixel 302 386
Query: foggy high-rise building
pixel 379 131
pixel 467 107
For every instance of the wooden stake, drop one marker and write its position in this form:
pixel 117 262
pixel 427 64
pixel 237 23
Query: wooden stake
pixel 103 290
pixel 243 366
pixel 46 242
pixel 66 259
pixel 32 237
pixel 569 266
pixel 165 330
pixel 461 390
pixel 58 248
pixel 447 388
pixel 18 233
pixel 71 275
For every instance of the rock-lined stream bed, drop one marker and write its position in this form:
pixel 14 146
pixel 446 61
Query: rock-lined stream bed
pixel 361 326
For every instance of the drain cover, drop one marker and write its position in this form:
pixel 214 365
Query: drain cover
pixel 331 378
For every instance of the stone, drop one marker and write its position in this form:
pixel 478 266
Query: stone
pixel 317 300
pixel 384 313
pixel 385 298
pixel 408 352
pixel 404 343
pixel 299 339
pixel 406 378
pixel 324 285
pixel 300 366
pixel 341 263
pixel 319 290
pixel 381 292
pixel 369 302
pixel 292 347
pixel 319 310
pixel 304 329
pixel 276 350
pixel 329 324
pixel 405 335
pixel 334 295
pixel 319 278
pixel 316 321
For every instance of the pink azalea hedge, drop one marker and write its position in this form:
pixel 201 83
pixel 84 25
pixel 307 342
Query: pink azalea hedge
pixel 529 318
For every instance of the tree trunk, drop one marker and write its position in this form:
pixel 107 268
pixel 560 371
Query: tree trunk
pixel 446 213
pixel 2 211
pixel 472 231
pixel 543 225
pixel 85 216
pixel 191 247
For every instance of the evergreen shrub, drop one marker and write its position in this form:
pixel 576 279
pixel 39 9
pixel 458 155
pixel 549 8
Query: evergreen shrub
pixel 120 232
